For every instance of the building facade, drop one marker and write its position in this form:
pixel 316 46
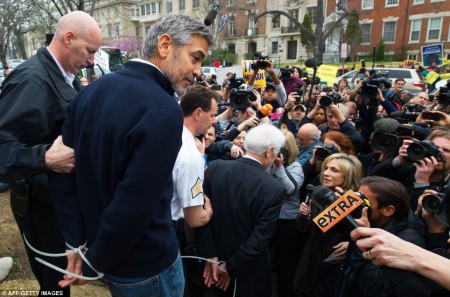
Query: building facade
pixel 404 25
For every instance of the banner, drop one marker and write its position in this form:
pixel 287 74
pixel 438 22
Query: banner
pixel 260 81
pixel 327 74
pixel 432 53
pixel 409 63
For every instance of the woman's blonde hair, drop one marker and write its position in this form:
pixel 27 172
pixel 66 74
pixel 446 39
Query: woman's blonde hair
pixel 351 168
pixel 291 146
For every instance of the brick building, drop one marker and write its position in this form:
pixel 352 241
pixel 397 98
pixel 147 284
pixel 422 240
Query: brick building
pixel 404 25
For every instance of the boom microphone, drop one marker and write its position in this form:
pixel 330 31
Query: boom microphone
pixel 264 111
pixel 386 125
pixel 211 16
pixel 312 63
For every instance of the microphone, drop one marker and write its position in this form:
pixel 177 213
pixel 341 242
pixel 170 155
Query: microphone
pixel 211 16
pixel 335 211
pixel 264 111
pixel 312 63
pixel 309 190
pixel 386 125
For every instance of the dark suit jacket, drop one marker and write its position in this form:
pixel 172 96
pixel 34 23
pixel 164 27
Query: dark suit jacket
pixel 246 202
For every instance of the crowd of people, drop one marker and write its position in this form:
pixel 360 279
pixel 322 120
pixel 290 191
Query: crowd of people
pixel 159 186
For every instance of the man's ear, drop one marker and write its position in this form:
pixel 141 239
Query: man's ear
pixel 388 211
pixel 269 152
pixel 68 37
pixel 164 45
pixel 197 112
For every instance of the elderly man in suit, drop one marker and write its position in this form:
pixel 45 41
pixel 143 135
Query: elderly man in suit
pixel 246 201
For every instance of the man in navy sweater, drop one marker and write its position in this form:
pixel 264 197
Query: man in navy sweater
pixel 126 132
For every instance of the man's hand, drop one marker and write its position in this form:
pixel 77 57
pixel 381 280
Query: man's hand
pixel 210 274
pixel 60 158
pixel 236 152
pixel 248 123
pixel 403 152
pixel 74 265
pixel 223 277
pixel 433 224
pixel 424 169
pixel 278 162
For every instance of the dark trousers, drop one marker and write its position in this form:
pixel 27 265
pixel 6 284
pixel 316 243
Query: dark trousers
pixel 256 283
pixel 193 268
pixel 287 248
pixel 42 231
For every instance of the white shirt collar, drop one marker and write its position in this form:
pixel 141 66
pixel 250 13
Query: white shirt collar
pixel 251 158
pixel 68 77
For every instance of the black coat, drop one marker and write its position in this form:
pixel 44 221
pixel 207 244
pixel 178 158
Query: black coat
pixel 33 107
pixel 246 202
pixel 362 278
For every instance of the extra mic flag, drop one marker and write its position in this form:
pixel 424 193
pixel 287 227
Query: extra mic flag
pixel 337 211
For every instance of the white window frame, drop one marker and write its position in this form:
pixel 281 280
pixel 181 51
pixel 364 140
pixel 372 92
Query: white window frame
pixel 364 7
pixel 370 33
pixel 392 5
pixel 412 57
pixel 411 30
pixel 428 29
pixel 395 31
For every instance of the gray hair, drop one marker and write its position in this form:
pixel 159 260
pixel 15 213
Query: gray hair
pixel 262 137
pixel 315 135
pixel 344 110
pixel 180 27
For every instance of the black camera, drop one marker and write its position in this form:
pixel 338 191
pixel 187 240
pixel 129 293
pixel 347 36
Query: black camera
pixel 285 153
pixel 363 67
pixel 444 94
pixel 413 107
pixel 235 83
pixel 299 94
pixel 328 99
pixel 323 152
pixel 431 203
pixel 261 61
pixel 239 98
pixel 385 142
pixel 370 86
pixel 216 87
pixel 286 73
pixel 222 106
pixel 423 149
pixel 308 79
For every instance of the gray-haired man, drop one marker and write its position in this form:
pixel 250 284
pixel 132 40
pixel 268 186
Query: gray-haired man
pixel 126 131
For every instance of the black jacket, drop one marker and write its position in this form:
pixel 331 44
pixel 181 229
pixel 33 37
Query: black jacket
pixel 247 202
pixel 33 107
pixel 361 278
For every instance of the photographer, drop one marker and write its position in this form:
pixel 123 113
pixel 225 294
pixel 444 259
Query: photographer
pixel 223 149
pixel 296 111
pixel 394 95
pixel 426 172
pixel 291 78
pixel 389 210
pixel 336 120
pixel 275 93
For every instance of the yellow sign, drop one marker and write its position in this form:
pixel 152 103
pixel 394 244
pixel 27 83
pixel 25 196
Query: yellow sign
pixel 340 208
pixel 260 81
pixel 409 63
pixel 327 73
pixel 431 77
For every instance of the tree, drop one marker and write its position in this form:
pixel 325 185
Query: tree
pixel 352 33
pixel 319 36
pixel 307 43
pixel 379 52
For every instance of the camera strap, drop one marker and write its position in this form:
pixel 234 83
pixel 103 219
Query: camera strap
pixel 293 181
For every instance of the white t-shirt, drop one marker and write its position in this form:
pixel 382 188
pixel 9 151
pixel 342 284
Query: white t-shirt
pixel 187 175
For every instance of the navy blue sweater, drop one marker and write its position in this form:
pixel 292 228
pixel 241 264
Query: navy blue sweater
pixel 126 131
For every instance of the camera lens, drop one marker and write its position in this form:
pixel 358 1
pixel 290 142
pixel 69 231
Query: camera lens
pixel 416 151
pixel 431 203
pixel 325 101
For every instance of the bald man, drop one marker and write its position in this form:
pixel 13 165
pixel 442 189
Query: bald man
pixel 33 105
pixel 308 138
